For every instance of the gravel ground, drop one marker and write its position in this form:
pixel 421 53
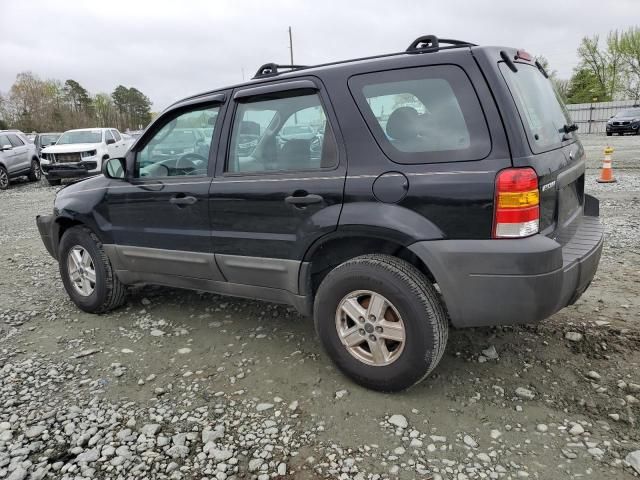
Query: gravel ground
pixel 186 385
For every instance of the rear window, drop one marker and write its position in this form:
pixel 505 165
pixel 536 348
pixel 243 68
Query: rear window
pixel 541 110
pixel 423 115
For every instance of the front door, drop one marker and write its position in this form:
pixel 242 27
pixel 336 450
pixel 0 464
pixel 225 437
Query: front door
pixel 21 159
pixel 9 154
pixel 160 217
pixel 280 187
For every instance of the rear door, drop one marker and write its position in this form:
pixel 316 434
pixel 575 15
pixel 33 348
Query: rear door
pixel 555 151
pixel 274 195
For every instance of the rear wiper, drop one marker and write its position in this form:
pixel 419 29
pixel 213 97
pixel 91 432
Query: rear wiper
pixel 569 128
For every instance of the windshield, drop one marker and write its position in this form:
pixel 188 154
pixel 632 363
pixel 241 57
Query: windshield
pixel 543 114
pixel 48 139
pixel 632 112
pixel 80 136
pixel 181 137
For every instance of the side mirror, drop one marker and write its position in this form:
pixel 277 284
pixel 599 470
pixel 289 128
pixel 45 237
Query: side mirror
pixel 114 168
pixel 110 141
pixel 6 147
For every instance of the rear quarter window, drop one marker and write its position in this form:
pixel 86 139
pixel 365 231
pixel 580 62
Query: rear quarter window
pixel 423 115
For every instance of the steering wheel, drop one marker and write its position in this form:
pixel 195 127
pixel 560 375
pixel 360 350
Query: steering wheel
pixel 190 164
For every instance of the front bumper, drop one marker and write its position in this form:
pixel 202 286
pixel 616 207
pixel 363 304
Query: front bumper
pixel 70 170
pixel 630 128
pixel 48 229
pixel 503 282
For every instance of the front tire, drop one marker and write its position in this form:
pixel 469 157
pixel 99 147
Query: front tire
pixel 86 272
pixel 35 174
pixel 609 134
pixel 381 321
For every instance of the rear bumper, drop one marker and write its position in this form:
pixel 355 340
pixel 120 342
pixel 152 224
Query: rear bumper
pixel 69 170
pixel 48 232
pixel 502 282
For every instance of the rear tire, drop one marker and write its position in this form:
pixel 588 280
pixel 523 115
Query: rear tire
pixel 35 174
pixel 106 292
pixel 609 134
pixel 54 182
pixel 4 178
pixel 411 305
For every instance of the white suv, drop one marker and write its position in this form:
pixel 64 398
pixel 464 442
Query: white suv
pixel 80 153
pixel 18 157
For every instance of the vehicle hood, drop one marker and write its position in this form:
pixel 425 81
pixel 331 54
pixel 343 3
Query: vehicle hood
pixel 624 119
pixel 91 183
pixel 71 148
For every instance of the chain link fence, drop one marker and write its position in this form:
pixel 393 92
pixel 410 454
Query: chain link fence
pixel 592 117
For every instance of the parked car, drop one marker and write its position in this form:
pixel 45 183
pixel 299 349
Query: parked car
pixel 80 153
pixel 18 158
pixel 625 121
pixel 467 207
pixel 43 140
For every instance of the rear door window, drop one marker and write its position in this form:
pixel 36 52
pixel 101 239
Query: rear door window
pixel 542 112
pixel 423 115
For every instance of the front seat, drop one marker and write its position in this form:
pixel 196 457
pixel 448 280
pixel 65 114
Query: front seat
pixel 403 128
pixel 295 155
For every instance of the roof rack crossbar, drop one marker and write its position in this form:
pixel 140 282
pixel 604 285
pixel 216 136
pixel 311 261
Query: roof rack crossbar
pixel 269 69
pixel 431 43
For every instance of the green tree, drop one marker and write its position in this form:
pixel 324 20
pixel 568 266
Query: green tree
pixel 140 109
pixel 77 96
pixel 629 45
pixel 133 105
pixel 584 87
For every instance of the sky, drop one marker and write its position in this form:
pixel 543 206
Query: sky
pixel 171 49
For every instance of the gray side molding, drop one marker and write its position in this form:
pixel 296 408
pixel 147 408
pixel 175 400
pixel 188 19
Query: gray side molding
pixel 260 271
pixel 161 261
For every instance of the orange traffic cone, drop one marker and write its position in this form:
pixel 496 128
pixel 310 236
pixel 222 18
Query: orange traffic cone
pixel 606 173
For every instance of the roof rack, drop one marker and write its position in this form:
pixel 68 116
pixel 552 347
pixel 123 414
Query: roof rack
pixel 269 69
pixel 431 43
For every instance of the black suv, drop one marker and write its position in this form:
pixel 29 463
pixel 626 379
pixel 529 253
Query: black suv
pixel 446 185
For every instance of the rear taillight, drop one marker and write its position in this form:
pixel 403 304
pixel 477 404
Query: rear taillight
pixel 517 203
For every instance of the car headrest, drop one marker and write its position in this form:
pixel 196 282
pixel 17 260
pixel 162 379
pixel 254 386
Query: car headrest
pixel 403 124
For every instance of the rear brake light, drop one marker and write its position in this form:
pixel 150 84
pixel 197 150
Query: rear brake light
pixel 517 203
pixel 522 55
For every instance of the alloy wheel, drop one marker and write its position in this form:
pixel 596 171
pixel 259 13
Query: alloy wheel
pixel 82 272
pixel 370 328
pixel 37 173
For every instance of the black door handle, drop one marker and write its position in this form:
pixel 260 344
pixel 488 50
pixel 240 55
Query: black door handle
pixel 303 200
pixel 182 201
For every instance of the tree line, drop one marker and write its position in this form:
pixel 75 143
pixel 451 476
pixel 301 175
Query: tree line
pixel 33 104
pixel 608 69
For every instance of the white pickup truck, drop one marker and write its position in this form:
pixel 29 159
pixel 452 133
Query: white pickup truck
pixel 80 153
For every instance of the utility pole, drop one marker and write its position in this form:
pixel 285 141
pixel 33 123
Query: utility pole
pixel 295 115
pixel 291 45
